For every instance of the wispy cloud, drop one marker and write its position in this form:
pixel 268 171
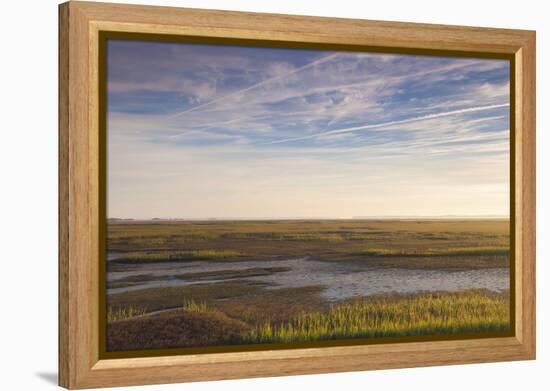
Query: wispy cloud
pixel 257 85
pixel 392 123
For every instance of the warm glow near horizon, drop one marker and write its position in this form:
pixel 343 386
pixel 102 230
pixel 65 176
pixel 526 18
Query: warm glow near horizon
pixel 204 131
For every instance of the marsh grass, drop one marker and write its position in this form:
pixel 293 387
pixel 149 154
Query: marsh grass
pixel 119 313
pixel 430 252
pixel 258 312
pixel 175 256
pixel 283 236
pixel 476 244
pixel 424 314
pixel 195 306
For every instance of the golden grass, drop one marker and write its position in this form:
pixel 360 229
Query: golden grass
pixel 427 252
pixel 194 306
pixel 423 314
pixel 114 314
pixel 171 256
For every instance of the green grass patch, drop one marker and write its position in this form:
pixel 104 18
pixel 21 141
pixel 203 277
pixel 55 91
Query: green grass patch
pixel 435 252
pixel 177 256
pixel 423 314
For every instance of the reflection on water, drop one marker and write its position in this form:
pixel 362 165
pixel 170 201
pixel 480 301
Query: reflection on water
pixel 341 280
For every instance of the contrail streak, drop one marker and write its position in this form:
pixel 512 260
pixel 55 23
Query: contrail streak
pixel 231 95
pixel 391 123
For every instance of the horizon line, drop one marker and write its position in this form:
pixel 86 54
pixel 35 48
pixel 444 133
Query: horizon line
pixel 447 216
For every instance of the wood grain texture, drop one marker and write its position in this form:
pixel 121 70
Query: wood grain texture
pixel 527 187
pixel 63 178
pixel 80 23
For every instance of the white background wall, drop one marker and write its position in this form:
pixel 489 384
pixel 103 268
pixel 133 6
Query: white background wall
pixel 28 155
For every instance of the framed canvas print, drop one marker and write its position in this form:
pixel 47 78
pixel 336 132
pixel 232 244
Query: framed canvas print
pixel 247 195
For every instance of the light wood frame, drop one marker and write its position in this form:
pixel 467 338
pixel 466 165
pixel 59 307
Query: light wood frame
pixel 80 365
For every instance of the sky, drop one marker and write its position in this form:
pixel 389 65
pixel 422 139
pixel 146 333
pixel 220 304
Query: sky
pixel 212 131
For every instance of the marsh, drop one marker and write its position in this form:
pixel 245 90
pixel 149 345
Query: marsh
pixel 286 280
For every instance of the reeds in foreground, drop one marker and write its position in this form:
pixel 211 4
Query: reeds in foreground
pixel 424 314
pixel 114 314
pixel 194 306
